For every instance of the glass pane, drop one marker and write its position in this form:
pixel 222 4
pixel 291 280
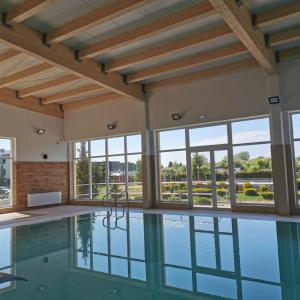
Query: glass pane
pixel 134 143
pixel 119 266
pixel 81 150
pixel 296 126
pixel 98 148
pixel 5 148
pixel 6 166
pixel 253 173
pixel 297 168
pixel 116 145
pixel 212 135
pixel 98 166
pixel 116 174
pixel 82 178
pixel 135 186
pixel 251 131
pixel 173 176
pixel 100 263
pixel 201 179
pixel 222 177
pixel 205 250
pixel 260 291
pixel 172 139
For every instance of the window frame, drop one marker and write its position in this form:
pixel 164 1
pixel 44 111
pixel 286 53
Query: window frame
pixel 12 159
pixel 229 147
pixel 107 157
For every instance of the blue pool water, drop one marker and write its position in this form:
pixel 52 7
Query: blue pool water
pixel 151 256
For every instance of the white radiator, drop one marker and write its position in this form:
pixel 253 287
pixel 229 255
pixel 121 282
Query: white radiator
pixel 43 199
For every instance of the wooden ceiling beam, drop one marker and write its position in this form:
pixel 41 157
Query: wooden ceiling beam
pixel 96 18
pixel 178 19
pixel 169 48
pixel 46 86
pixel 292 53
pixel 239 20
pixel 83 90
pixel 278 14
pixel 91 101
pixel 28 41
pixel 27 9
pixel 9 55
pixel 204 74
pixel 285 36
pixel 192 61
pixel 16 77
pixel 8 96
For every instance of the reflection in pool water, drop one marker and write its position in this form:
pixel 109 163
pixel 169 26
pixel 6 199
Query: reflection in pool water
pixel 150 256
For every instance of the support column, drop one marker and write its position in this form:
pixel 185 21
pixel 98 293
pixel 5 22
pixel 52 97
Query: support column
pixel 279 166
pixel 148 158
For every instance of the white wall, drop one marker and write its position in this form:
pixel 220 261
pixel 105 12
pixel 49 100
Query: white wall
pixel 91 121
pixel 239 95
pixel 21 124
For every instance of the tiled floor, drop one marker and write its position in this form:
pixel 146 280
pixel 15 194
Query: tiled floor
pixel 34 216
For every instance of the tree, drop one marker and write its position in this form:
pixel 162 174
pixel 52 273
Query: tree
pixel 138 171
pixel 200 165
pixel 245 155
pixel 2 174
pixel 82 170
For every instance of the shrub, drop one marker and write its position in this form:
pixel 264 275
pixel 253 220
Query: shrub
pixel 267 195
pixel 263 188
pixel 182 191
pixel 222 192
pixel 201 190
pixel 247 185
pixel 202 201
pixel 183 186
pixel 298 183
pixel 221 184
pixel 250 192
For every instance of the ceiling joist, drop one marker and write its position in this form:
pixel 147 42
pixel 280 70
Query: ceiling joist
pixel 170 48
pixel 178 19
pixel 240 21
pixel 293 53
pixel 26 40
pixel 96 18
pixel 8 96
pixel 91 101
pixel 28 9
pixel 205 74
pixel 279 14
pixel 11 79
pixel 46 86
pixel 284 37
pixel 195 60
pixel 83 90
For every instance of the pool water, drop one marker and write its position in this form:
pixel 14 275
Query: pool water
pixel 151 256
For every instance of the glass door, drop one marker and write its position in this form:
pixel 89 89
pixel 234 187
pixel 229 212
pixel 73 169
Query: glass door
pixel 210 184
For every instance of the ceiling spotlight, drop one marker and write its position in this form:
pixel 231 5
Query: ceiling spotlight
pixel 41 131
pixel 111 126
pixel 202 117
pixel 177 117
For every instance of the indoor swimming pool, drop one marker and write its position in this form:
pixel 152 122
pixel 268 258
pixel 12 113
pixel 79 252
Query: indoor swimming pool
pixel 150 256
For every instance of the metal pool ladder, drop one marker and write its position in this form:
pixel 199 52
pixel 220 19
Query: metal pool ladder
pixel 116 204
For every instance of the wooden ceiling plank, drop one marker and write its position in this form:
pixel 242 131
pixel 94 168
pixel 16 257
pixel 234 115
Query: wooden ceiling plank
pixel 8 96
pixel 11 79
pixel 204 74
pixel 72 93
pixel 278 14
pixel 240 21
pixel 95 18
pixel 283 37
pixel 9 55
pixel 27 9
pixel 170 48
pixel 180 18
pixel 28 41
pixel 91 101
pixel 48 85
pixel 292 53
pixel 192 61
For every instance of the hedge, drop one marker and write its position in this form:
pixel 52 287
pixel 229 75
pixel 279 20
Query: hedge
pixel 250 192
pixel 268 195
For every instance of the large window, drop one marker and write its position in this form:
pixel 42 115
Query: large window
pixel 111 165
pixel 216 165
pixel 6 169
pixel 296 146
pixel 252 161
